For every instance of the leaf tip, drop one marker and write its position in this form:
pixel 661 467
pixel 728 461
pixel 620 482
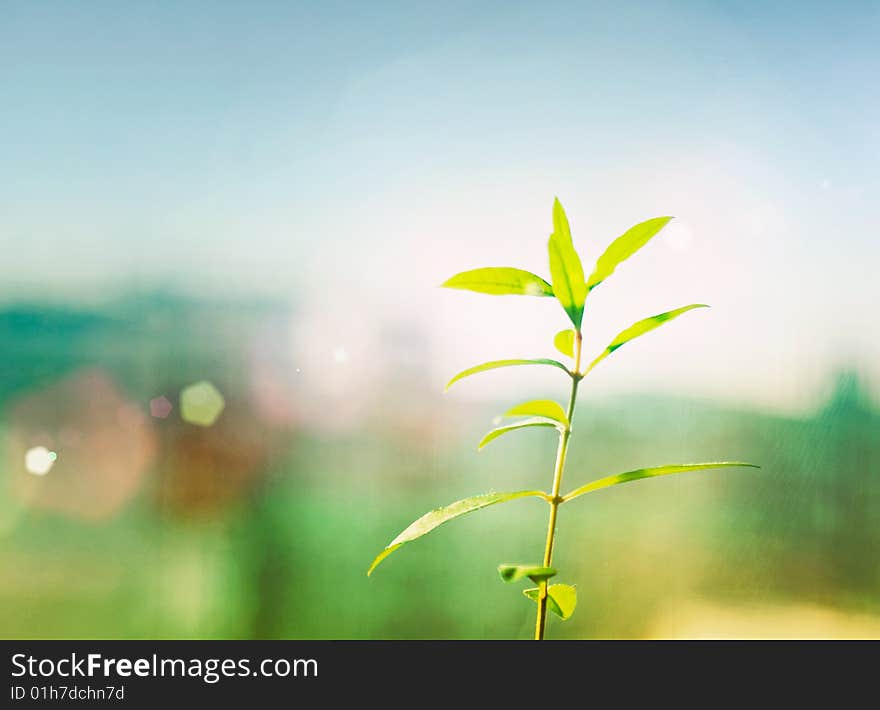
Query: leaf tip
pixel 381 556
pixel 374 565
pixel 450 282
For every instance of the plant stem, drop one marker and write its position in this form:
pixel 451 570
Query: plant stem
pixel 555 500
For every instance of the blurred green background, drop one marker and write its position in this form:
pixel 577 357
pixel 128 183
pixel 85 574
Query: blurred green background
pixel 265 196
pixel 263 524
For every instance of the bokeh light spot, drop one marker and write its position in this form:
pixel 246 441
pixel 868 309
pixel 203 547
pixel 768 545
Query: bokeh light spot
pixel 201 403
pixel 160 407
pixel 105 444
pixel 39 460
pixel 340 355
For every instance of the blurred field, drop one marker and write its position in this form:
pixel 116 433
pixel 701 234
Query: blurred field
pixel 790 621
pixel 263 524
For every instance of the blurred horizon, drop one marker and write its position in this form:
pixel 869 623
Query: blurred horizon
pixel 358 350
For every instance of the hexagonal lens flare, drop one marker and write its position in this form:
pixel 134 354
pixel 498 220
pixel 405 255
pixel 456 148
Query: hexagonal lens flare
pixel 201 403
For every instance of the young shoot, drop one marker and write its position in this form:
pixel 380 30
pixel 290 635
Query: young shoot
pixel 570 287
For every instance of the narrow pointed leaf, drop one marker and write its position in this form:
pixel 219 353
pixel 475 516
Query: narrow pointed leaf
pixel 431 520
pixel 566 270
pixel 511 573
pixel 495 364
pixel 539 408
pixel 500 281
pixel 561 599
pixel 624 247
pixel 640 328
pixel 641 473
pixel 525 423
pixel 564 342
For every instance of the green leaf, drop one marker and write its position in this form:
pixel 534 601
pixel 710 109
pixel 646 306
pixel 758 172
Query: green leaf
pixel 495 364
pixel 546 408
pixel 566 270
pixel 640 328
pixel 565 597
pixel 564 342
pixel 561 599
pixel 500 281
pixel 511 573
pixel 641 473
pixel 534 421
pixel 624 247
pixel 431 520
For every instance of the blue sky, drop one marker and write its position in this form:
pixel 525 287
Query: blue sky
pixel 352 155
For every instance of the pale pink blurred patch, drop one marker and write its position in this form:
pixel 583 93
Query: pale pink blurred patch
pixel 273 375
pixel 104 442
pixel 160 407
